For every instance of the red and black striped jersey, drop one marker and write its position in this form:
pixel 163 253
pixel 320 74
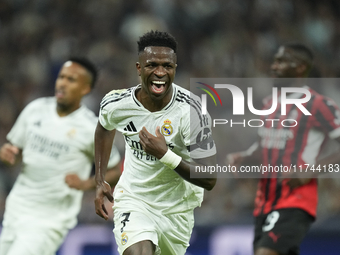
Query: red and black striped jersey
pixel 285 142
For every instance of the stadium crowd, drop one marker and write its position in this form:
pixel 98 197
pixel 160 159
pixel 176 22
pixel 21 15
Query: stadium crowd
pixel 217 39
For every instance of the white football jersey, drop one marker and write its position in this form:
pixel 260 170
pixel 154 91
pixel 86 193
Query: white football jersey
pixel 144 177
pixel 53 147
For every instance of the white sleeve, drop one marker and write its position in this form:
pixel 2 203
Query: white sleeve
pixel 105 119
pixel 17 135
pixel 197 132
pixel 108 106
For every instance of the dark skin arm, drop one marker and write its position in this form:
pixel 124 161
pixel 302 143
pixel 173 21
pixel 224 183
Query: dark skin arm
pixel 250 156
pixel 332 159
pixel 103 144
pixel 156 146
pixel 111 177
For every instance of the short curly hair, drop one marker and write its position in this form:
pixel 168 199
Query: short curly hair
pixel 88 65
pixel 157 38
pixel 301 52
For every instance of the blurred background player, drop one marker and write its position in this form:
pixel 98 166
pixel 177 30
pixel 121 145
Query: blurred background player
pixel 155 197
pixel 55 138
pixel 286 207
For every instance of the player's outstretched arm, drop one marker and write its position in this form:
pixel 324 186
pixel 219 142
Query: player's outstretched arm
pixel 156 146
pixel 250 156
pixel 103 144
pixel 9 153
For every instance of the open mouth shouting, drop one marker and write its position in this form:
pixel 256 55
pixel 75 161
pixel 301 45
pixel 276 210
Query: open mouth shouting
pixel 59 94
pixel 158 87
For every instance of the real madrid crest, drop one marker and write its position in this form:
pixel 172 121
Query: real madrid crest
pixel 124 238
pixel 167 129
pixel 72 133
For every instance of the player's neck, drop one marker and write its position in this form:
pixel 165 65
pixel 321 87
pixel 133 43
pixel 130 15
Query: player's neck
pixel 150 104
pixel 63 110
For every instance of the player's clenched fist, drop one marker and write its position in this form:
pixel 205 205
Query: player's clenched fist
pixel 103 190
pixel 8 153
pixel 154 145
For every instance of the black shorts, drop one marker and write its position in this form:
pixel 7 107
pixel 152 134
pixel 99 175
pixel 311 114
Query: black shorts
pixel 282 230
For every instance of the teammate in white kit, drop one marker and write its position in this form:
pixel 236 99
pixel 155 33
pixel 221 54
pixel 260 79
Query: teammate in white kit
pixel 155 196
pixel 56 139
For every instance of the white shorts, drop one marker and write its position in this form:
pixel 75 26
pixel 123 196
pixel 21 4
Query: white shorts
pixel 30 240
pixel 134 223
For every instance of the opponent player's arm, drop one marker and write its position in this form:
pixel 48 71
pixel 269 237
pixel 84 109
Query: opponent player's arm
pixel 307 177
pixel 330 122
pixel 103 144
pixel 250 156
pixel 156 146
pixel 331 159
pixel 9 154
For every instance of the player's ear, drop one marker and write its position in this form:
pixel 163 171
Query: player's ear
pixel 138 68
pixel 86 89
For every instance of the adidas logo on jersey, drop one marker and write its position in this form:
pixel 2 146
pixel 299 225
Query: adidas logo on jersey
pixel 130 127
pixel 38 123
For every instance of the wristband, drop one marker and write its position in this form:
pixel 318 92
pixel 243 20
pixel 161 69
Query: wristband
pixel 171 159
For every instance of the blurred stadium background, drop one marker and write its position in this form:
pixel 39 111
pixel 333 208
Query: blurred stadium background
pixel 217 38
